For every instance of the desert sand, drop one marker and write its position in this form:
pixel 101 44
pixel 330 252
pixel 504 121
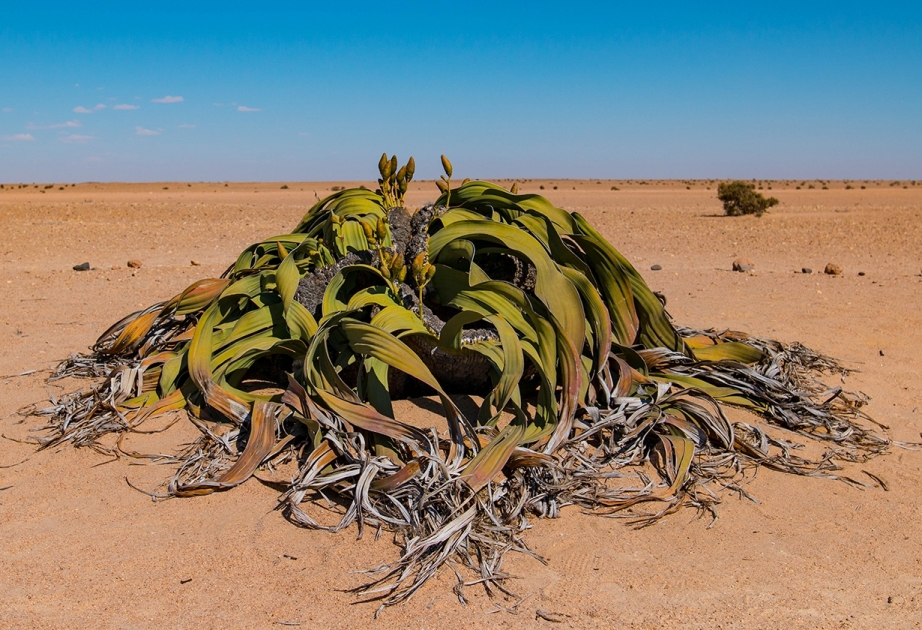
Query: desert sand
pixel 80 548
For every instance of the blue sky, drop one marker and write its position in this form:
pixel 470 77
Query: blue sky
pixel 306 91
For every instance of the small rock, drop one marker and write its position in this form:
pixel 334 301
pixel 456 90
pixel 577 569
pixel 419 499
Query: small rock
pixel 134 263
pixel 860 273
pixel 194 263
pixel 806 270
pixel 116 267
pixel 82 267
pixel 743 264
pixel 656 267
pixel 832 269
pixel 880 352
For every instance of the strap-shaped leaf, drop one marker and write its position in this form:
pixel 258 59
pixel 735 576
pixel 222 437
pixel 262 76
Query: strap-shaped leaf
pixel 371 341
pixel 729 351
pixel 259 445
pixel 199 295
pixel 654 326
pixel 677 455
pixel 490 460
pixel 231 406
pixel 551 287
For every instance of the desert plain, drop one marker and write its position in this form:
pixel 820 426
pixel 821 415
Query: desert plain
pixel 80 548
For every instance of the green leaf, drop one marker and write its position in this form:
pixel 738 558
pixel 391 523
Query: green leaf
pixel 729 351
pixel 491 459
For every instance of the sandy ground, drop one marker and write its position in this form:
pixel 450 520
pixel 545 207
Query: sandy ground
pixel 80 548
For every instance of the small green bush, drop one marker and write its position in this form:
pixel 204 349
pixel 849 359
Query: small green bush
pixel 740 198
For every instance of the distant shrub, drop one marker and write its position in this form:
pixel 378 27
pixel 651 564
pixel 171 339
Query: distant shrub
pixel 541 186
pixel 863 187
pixel 555 187
pixel 615 188
pixel 284 187
pixel 848 187
pixel 741 198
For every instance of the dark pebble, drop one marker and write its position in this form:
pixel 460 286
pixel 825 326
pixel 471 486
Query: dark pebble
pixel 806 270
pixel 82 267
pixel 860 273
pixel 656 267
pixel 880 352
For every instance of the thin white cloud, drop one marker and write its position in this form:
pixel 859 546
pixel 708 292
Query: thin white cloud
pixel 7 110
pixel 248 109
pixel 141 131
pixel 63 125
pixel 126 106
pixel 187 126
pixel 20 137
pixel 167 99
pixel 74 139
pixel 82 110
pixel 100 106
